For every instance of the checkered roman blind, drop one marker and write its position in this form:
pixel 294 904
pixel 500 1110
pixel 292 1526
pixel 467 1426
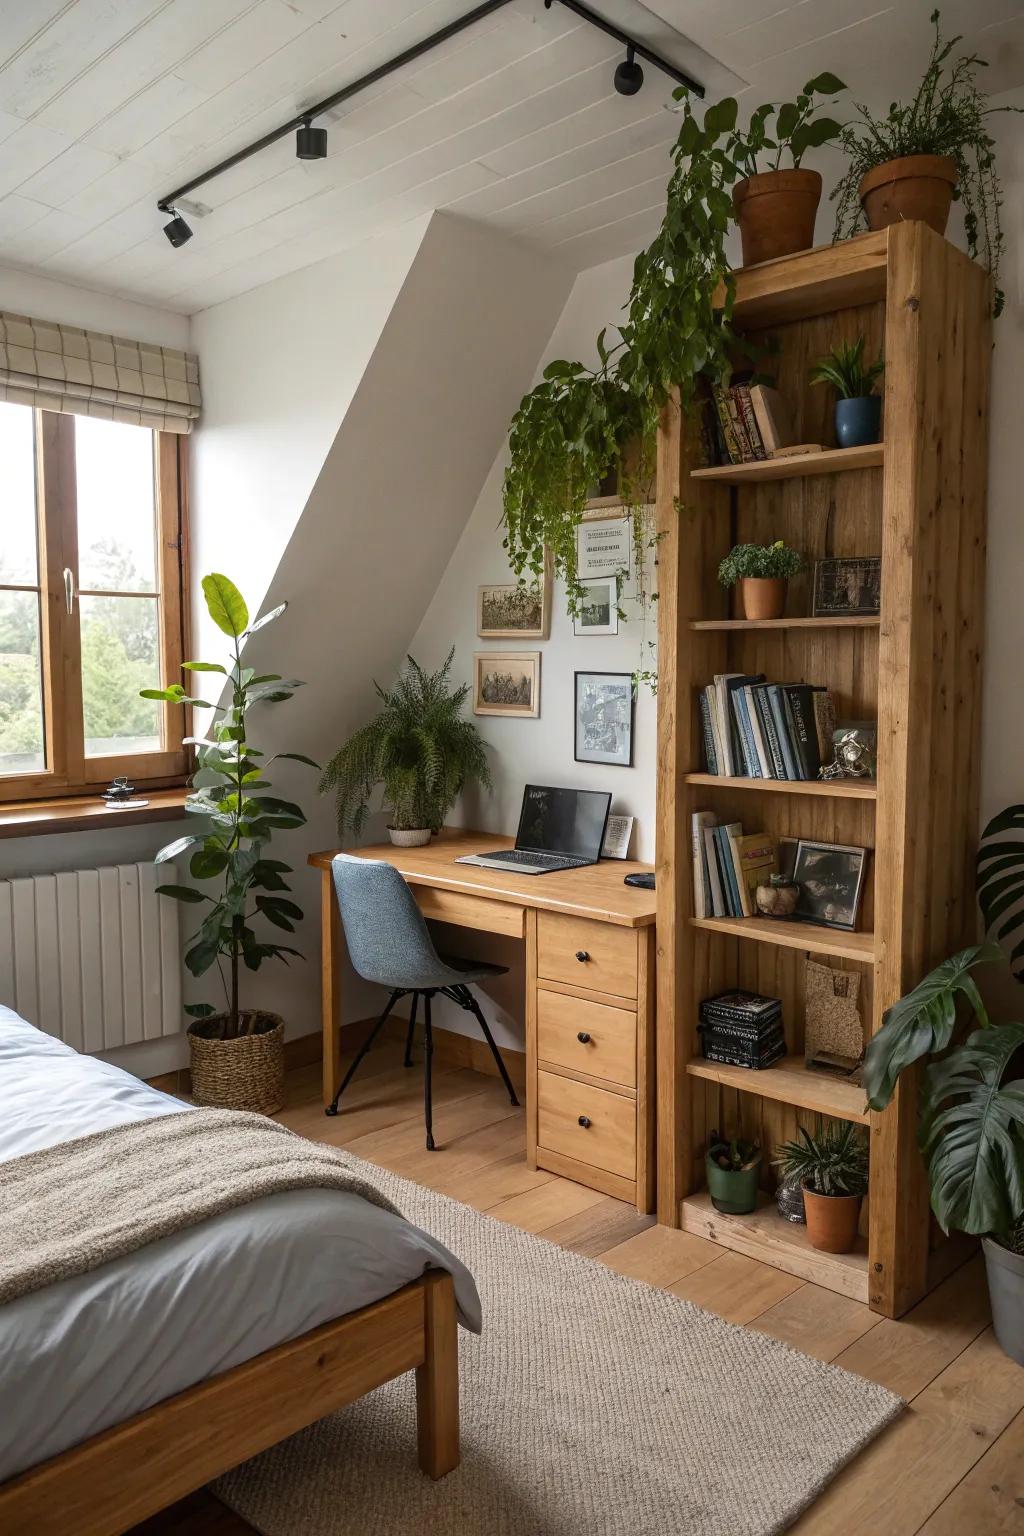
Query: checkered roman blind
pixel 61 368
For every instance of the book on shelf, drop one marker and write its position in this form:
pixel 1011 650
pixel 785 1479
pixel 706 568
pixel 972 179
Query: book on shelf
pixel 730 428
pixel 750 1008
pixel 742 1029
pixel 753 729
pixel 728 866
pixel 773 419
pixel 753 1060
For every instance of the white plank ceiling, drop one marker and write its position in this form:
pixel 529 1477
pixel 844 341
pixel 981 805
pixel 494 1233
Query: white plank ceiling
pixel 106 105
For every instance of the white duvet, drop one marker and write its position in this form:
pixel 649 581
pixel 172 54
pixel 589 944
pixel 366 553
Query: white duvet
pixel 86 1353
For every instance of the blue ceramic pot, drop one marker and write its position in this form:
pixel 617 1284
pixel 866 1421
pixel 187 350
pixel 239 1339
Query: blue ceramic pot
pixel 858 421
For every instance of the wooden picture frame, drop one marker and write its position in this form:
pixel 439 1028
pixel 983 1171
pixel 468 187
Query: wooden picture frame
pixel 506 683
pixel 133 1470
pixel 533 606
pixel 847 587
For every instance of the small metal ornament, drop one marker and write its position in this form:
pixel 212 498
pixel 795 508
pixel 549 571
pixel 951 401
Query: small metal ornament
pixel 120 795
pixel 853 755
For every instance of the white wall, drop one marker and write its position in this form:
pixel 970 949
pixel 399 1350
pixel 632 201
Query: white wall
pixel 41 298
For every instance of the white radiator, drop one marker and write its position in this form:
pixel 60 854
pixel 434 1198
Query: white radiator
pixel 93 956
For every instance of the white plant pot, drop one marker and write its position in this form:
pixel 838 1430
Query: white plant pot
pixel 409 838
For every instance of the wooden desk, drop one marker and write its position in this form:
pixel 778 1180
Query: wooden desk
pixel 590 984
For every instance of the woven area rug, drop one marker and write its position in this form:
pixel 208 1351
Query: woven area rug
pixel 592 1404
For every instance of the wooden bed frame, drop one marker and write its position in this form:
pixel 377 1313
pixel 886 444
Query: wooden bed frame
pixel 133 1470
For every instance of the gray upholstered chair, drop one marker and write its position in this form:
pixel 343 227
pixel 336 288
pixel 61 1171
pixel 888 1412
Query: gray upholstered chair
pixel 389 943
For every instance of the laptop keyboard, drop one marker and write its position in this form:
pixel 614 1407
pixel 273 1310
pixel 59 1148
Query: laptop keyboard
pixel 542 860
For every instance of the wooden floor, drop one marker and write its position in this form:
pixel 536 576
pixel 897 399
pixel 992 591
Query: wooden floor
pixel 954 1462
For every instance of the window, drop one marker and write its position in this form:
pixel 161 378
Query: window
pixel 90 602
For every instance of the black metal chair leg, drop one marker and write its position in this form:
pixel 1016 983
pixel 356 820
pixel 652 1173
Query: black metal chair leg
pixel 332 1108
pixel 475 1008
pixel 428 1105
pixel 410 1035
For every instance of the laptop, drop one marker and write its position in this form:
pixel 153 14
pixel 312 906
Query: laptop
pixel 558 829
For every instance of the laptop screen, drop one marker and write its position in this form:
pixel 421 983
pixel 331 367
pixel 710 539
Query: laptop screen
pixel 563 820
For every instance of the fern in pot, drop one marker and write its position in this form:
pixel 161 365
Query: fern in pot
pixel 418 748
pixel 237 1054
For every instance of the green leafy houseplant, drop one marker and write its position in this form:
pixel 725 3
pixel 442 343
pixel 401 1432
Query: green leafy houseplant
pixel 1000 883
pixel 947 117
pixel 773 562
pixel 732 1169
pixel 418 747
pixel 845 369
pixel 832 1161
pixel 228 792
pixel 796 129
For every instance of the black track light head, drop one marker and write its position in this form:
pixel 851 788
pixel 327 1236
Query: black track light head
pixel 629 77
pixel 177 231
pixel 310 143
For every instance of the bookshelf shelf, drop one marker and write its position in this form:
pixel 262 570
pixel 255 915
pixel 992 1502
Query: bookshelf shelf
pixel 829 462
pixel 855 621
pixel 766 1236
pixel 789 1082
pixel 790 933
pixel 837 789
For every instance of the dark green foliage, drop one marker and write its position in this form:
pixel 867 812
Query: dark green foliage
pixel 418 747
pixel 948 116
pixel 230 771
pixel 796 129
pixel 845 369
pixel 762 560
pixel 1000 882
pixel 832 1161
pixel 733 1154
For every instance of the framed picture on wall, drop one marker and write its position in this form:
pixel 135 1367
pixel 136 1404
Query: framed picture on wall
pixel 506 683
pixel 513 611
pixel 598 608
pixel 605 708
pixel 604 547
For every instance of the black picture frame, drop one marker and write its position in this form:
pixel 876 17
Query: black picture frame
pixel 593 720
pixel 831 881
pixel 847 586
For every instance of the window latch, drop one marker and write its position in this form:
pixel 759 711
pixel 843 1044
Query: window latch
pixel 69 589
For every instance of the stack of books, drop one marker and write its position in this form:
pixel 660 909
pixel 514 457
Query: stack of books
pixel 742 422
pixel 728 866
pixel 753 729
pixel 742 1029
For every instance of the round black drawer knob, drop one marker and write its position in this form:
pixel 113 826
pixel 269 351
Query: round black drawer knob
pixel 585 1122
pixel 583 1037
pixel 581 955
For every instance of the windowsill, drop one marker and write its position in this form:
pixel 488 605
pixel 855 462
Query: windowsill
pixel 87 813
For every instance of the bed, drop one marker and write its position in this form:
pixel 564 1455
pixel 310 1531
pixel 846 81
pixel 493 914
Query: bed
pixel 129 1386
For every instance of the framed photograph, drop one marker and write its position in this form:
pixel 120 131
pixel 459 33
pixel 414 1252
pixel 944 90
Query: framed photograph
pixel 847 587
pixel 616 837
pixel 506 683
pixel 604 547
pixel 509 612
pixel 599 608
pixel 831 879
pixel 604 718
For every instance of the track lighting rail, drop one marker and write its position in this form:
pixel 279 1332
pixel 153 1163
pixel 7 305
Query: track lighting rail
pixel 311 143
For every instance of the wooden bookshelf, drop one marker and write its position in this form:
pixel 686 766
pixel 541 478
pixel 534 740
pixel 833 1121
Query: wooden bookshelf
pixel 829 462
pixel 919 502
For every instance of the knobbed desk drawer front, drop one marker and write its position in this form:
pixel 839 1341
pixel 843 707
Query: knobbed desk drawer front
pixel 599 956
pixel 589 1124
pixel 586 1037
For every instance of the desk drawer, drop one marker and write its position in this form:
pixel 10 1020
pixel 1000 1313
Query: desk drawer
pixel 468 911
pixel 609 1049
pixel 609 952
pixel 606 1139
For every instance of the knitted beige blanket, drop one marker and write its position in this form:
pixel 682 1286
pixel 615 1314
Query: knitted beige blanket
pixel 72 1207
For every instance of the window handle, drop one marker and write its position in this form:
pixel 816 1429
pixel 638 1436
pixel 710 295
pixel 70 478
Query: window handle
pixel 69 589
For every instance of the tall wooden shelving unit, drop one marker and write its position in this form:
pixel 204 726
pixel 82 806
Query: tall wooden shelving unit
pixel 920 501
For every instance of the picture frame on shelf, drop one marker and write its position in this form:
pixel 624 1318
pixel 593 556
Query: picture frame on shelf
pixel 598 608
pixel 847 587
pixel 831 881
pixel 604 547
pixel 605 710
pixel 506 683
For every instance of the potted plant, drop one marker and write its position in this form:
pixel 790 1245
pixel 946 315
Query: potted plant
pixel 762 571
pixel 419 748
pixel 858 411
pixel 831 1167
pixel 913 162
pixel 776 208
pixel 237 1054
pixel 733 1173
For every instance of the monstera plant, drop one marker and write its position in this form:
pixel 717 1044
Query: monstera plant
pixel 237 1054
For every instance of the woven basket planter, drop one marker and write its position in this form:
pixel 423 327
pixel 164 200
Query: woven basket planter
pixel 244 1073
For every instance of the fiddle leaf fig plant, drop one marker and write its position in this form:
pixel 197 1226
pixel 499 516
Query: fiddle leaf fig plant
pixel 228 792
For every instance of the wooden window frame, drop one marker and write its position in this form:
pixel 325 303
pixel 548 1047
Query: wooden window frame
pixel 69 771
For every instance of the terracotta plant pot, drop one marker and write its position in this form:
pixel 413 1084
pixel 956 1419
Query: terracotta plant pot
pixel 406 837
pixel 831 1220
pixel 776 213
pixel 914 187
pixel 763 597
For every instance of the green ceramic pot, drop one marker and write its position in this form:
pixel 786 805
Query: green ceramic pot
pixel 734 1194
